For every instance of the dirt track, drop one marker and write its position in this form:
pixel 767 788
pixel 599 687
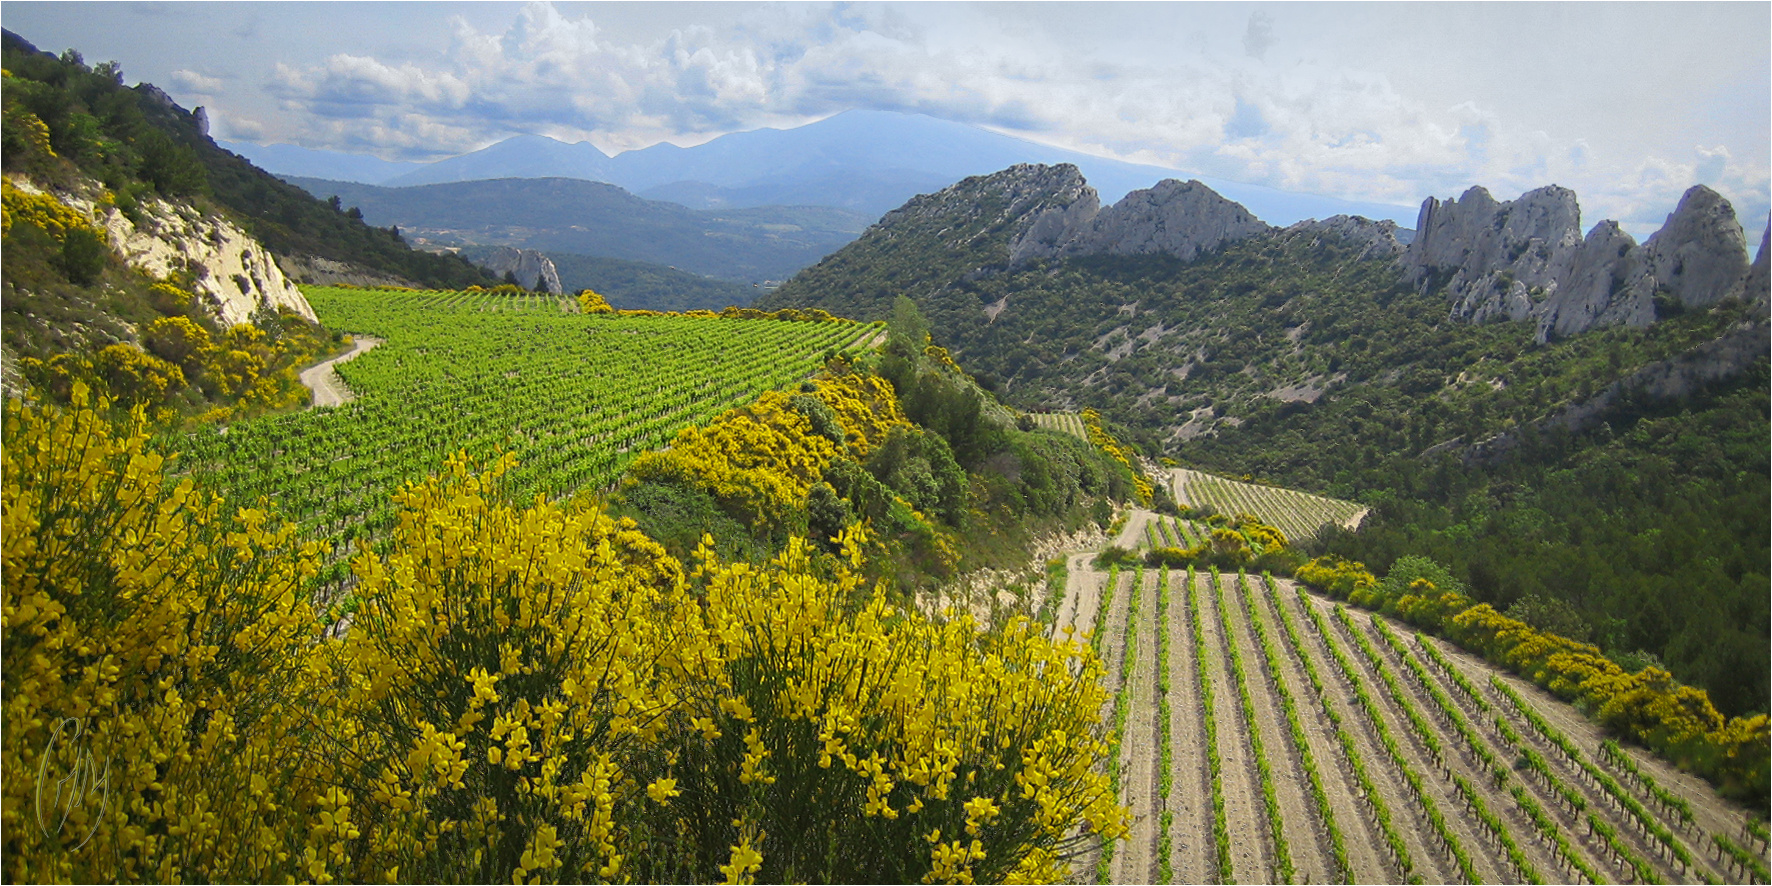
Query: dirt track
pixel 328 388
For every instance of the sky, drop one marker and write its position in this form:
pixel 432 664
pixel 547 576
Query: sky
pixel 1628 104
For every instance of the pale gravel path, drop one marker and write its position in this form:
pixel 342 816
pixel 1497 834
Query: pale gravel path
pixel 328 388
pixel 1113 650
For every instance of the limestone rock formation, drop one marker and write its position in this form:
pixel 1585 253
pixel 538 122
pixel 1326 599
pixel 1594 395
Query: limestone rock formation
pixel 527 265
pixel 230 273
pixel 1699 255
pixel 1495 258
pixel 1181 219
pixel 1525 259
pixel 1176 218
pixel 1600 288
pixel 1759 280
pixel 1379 238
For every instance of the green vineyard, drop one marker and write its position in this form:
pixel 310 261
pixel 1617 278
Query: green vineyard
pixel 1063 422
pixel 1277 737
pixel 1298 514
pixel 575 397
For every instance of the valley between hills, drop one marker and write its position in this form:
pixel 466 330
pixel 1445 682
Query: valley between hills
pixel 1021 537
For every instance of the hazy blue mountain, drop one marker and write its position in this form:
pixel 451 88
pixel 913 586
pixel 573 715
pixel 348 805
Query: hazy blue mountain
pixel 752 245
pixel 867 161
pixel 307 162
pixel 523 156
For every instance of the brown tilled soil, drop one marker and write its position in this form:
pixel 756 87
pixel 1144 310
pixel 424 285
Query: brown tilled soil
pixel 1407 817
pixel 1711 814
pixel 1489 864
pixel 1190 795
pixel 1500 803
pixel 1252 850
pixel 1307 837
pixel 1136 859
pixel 1361 835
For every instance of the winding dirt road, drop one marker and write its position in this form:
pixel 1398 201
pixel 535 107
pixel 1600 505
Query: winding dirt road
pixel 328 388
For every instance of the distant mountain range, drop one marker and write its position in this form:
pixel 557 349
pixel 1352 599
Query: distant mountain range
pixel 564 215
pixel 864 161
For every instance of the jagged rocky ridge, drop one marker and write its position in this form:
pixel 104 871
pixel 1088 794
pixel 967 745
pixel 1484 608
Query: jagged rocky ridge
pixel 1526 260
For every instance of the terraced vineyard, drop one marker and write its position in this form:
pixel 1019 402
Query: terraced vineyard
pixel 1268 735
pixel 574 397
pixel 1066 422
pixel 1298 514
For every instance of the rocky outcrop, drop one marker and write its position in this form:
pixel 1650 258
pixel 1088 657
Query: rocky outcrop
pixel 1759 281
pixel 1182 219
pixel 1378 239
pixel 1176 218
pixel 1495 259
pixel 1055 226
pixel 231 275
pixel 317 271
pixel 527 265
pixel 1525 259
pixel 1711 363
pixel 1599 289
pixel 1699 256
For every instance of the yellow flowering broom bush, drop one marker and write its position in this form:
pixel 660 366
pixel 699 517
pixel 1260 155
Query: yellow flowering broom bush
pixel 524 693
pixel 155 659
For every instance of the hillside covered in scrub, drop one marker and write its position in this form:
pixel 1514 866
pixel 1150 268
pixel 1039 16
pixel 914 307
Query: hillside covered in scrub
pixel 1606 478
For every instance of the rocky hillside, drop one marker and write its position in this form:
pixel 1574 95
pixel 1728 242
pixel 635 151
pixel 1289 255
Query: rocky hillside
pixel 1473 384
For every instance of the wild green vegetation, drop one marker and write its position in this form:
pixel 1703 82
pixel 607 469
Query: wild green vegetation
pixel 1292 360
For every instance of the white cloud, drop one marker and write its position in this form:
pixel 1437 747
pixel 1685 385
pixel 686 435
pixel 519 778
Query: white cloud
pixel 192 82
pixel 1324 101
